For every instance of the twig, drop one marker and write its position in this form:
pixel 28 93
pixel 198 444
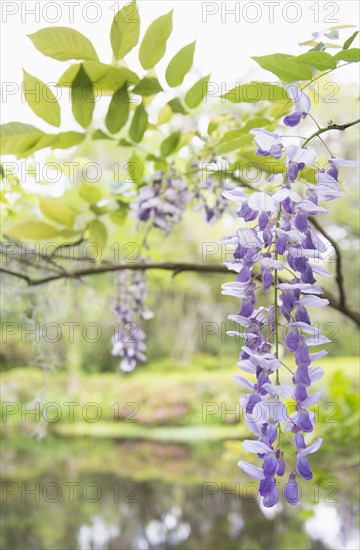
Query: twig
pixel 339 127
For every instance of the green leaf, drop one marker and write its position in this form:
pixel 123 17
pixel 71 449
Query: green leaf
pixel 47 140
pixel 106 78
pixel 98 233
pixel 352 55
pixel 135 168
pixel 99 134
pixel 255 91
pixel 234 144
pixel 118 111
pixel 119 216
pixel 90 193
pixel 170 143
pixel 320 47
pixel 148 86
pixel 63 43
pixel 41 99
pixel 283 67
pixel 125 29
pixel 65 140
pixel 82 97
pixel 33 230
pixel 180 65
pixel 256 122
pixel 153 45
pixel 57 211
pixel 138 124
pixel 176 106
pixel 350 40
pixel 197 92
pixel 124 143
pixel 17 137
pixel 320 60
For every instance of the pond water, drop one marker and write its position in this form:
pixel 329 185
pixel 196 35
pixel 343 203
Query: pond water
pixel 102 495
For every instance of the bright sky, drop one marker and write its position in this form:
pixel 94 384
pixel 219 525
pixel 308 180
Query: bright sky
pixel 227 34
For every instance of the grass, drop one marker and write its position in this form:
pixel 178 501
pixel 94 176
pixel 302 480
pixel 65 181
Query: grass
pixel 160 402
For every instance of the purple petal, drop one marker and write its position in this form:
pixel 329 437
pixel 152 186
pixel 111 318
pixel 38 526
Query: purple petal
pixel 262 202
pixel 293 172
pixel 270 465
pixel 302 356
pixel 300 441
pixel 301 100
pixel 300 155
pixel 244 275
pixel 301 222
pixel 276 150
pixel 311 448
pixel 256 447
pixel 263 220
pixel 312 399
pixel 265 139
pixel 292 120
pixel 292 339
pixel 302 315
pixel 300 393
pixel 313 301
pixel 342 162
pixel 251 470
pixel 302 376
pixel 271 432
pixel 315 373
pixel 303 468
pixel 267 280
pixel 292 493
pixel 271 498
pixel 281 467
pixel 281 243
pixel 247 308
pixel 303 421
pixel 253 400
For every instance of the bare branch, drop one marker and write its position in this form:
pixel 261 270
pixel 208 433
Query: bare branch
pixel 174 267
pixel 339 127
pixel 339 274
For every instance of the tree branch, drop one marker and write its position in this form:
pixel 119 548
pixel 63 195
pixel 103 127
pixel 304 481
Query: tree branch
pixel 339 127
pixel 339 274
pixel 175 267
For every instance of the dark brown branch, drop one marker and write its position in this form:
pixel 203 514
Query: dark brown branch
pixel 174 267
pixel 339 274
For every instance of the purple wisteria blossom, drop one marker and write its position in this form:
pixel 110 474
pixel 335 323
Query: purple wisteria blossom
pixel 208 193
pixel 129 339
pixel 268 143
pixel 279 242
pixel 302 105
pixel 163 201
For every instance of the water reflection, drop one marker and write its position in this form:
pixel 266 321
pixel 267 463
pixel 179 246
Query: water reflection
pixel 159 508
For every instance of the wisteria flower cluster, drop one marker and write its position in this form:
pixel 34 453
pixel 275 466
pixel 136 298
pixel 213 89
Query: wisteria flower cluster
pixel 281 241
pixel 129 339
pixel 209 190
pixel 163 201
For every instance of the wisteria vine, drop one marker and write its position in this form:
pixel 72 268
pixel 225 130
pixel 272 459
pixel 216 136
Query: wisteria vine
pixel 281 240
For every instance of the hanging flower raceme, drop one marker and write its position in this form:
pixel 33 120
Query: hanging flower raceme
pixel 163 201
pixel 209 189
pixel 280 241
pixel 129 339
